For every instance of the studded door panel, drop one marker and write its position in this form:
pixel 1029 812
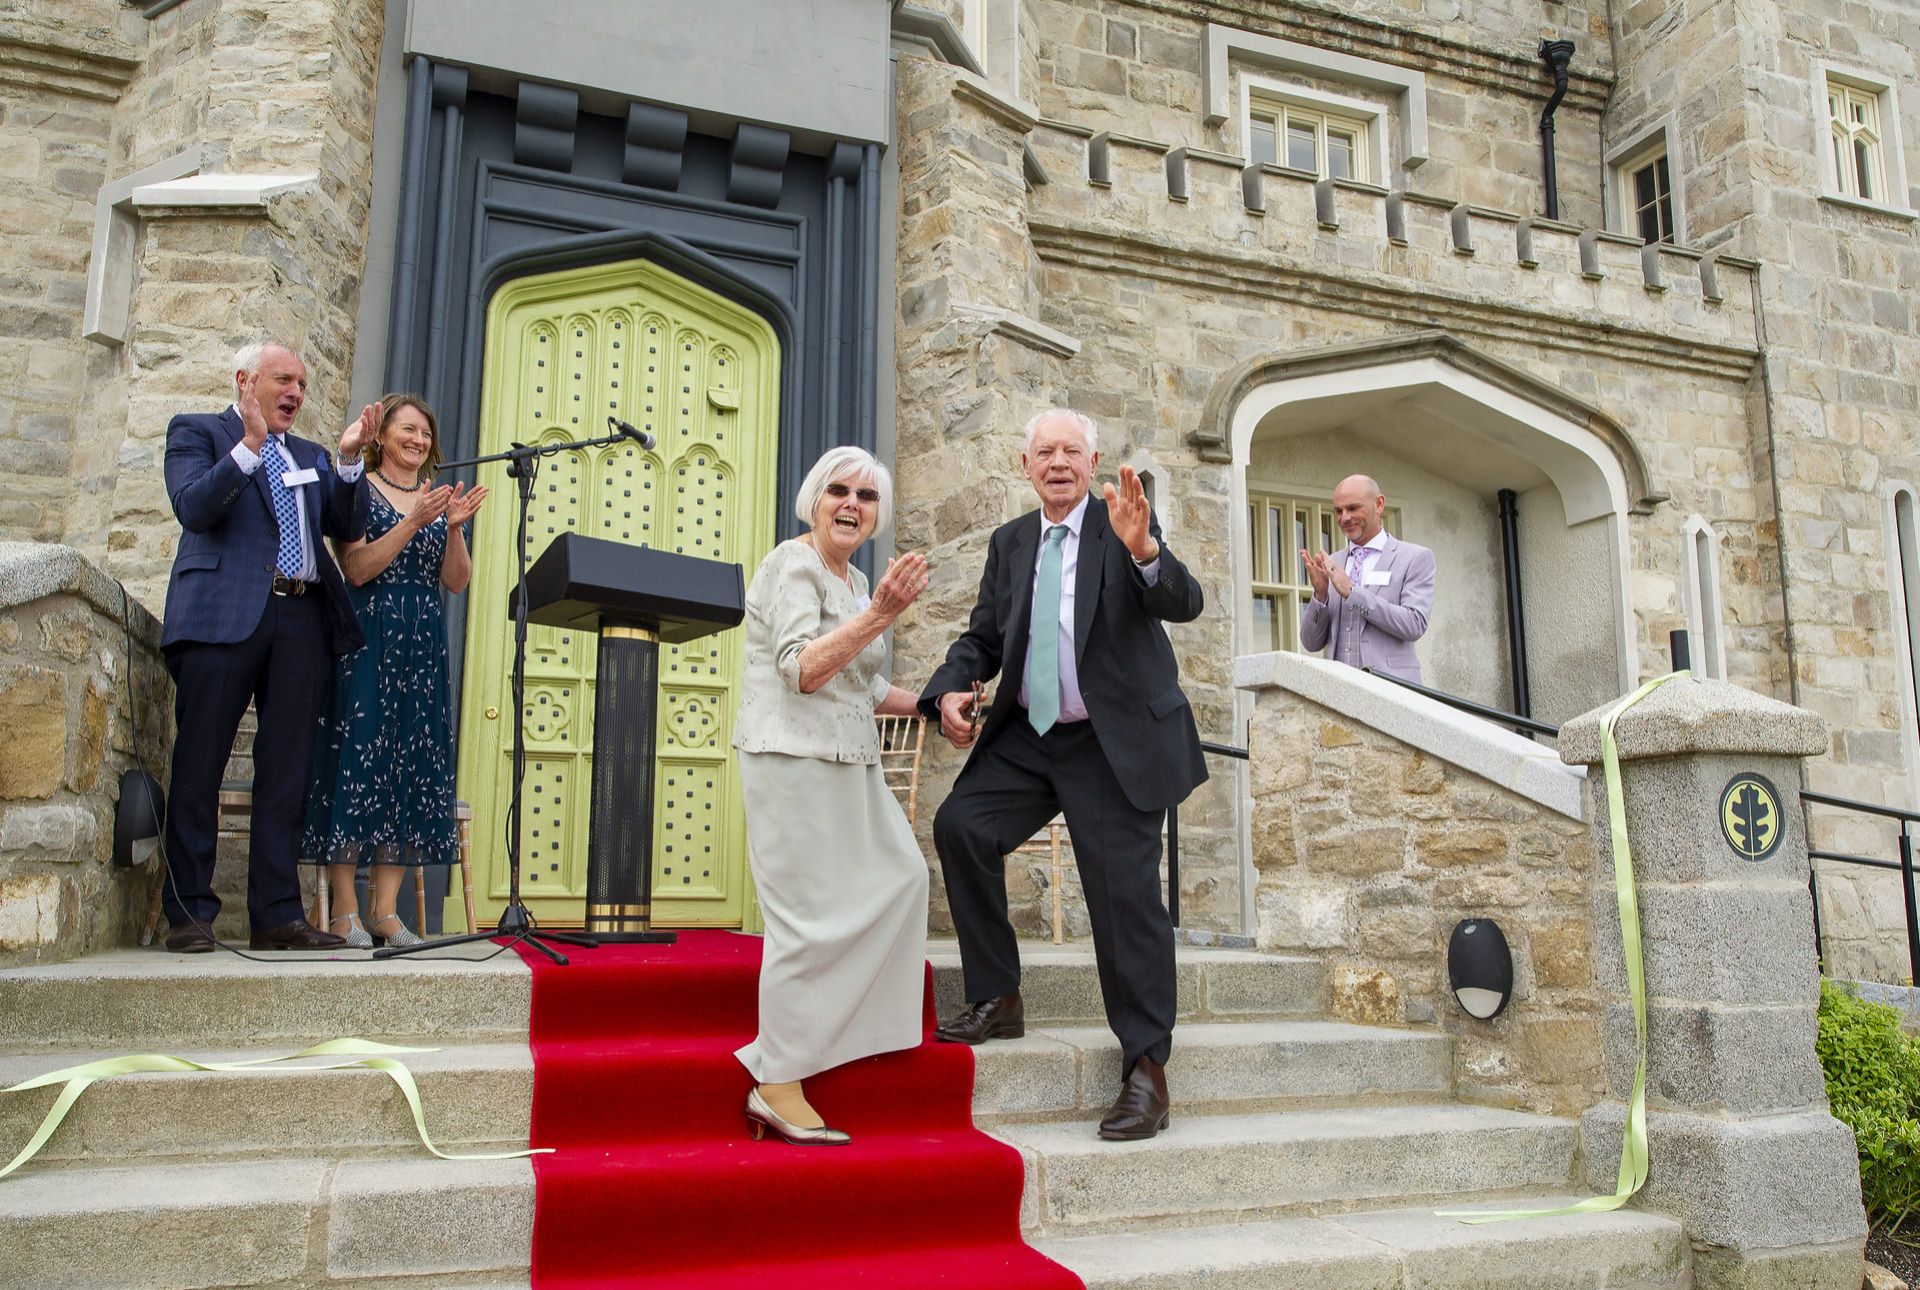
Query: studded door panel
pixel 701 375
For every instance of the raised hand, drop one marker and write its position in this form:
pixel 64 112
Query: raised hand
pixel 955 718
pixel 252 420
pixel 1316 574
pixel 465 503
pixel 905 578
pixel 360 432
pixel 1337 575
pixel 1129 514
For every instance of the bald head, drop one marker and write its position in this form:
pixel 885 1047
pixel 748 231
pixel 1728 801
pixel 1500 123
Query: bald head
pixel 1360 507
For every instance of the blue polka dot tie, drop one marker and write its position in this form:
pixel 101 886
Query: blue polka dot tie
pixel 286 511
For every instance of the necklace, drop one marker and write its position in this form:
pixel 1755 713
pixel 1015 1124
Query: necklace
pixel 414 487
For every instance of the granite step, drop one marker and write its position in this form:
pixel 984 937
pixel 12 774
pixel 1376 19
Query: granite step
pixel 147 1000
pixel 1060 985
pixel 296 1221
pixel 1075 1070
pixel 474 1096
pixel 1272 1163
pixel 1392 1249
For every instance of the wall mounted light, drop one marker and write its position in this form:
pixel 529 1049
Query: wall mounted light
pixel 1480 967
pixel 138 818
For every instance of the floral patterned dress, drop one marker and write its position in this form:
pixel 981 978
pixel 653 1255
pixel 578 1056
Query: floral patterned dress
pixel 382 790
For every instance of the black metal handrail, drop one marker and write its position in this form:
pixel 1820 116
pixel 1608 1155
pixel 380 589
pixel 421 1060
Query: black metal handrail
pixel 1524 725
pixel 1173 832
pixel 1904 865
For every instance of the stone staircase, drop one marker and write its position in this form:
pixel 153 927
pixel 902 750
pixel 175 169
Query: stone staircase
pixel 1304 1153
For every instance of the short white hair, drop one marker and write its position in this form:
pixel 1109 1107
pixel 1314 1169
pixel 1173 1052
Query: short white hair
pixel 1079 420
pixel 249 357
pixel 845 462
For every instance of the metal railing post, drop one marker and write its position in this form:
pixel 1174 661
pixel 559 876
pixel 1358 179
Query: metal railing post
pixel 1906 894
pixel 1813 890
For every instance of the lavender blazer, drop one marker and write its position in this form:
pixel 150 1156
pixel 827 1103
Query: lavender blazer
pixel 1378 626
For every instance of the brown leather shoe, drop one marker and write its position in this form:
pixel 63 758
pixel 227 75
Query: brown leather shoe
pixel 297 935
pixel 189 939
pixel 1141 1109
pixel 1001 1018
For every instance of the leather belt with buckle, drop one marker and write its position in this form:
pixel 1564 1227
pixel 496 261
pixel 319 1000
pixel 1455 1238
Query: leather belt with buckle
pixel 285 586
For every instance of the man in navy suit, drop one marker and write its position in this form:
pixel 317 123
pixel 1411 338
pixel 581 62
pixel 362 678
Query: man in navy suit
pixel 256 610
pixel 1090 723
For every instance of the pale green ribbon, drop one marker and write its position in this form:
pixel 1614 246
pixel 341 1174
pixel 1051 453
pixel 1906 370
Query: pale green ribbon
pixel 361 1052
pixel 1633 1139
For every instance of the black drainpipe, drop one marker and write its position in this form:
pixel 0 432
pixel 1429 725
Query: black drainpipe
pixel 1557 54
pixel 1516 614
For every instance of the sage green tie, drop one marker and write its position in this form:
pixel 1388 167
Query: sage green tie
pixel 1043 680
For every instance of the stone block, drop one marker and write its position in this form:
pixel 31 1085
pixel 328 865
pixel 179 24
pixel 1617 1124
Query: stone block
pixel 1441 847
pixel 1829 1267
pixel 1354 851
pixel 1695 716
pixel 409 1217
pixel 1303 917
pixel 1720 944
pixel 1751 1185
pixel 33 733
pixel 1747 1060
pixel 1364 995
pixel 1559 954
pixel 55 831
pixel 1673 819
pixel 29 911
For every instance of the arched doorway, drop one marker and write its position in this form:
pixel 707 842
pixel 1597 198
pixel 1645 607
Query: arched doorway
pixel 1445 429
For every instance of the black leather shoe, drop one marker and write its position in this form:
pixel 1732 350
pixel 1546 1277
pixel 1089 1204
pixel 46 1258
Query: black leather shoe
pixel 297 935
pixel 189 940
pixel 1001 1018
pixel 1141 1109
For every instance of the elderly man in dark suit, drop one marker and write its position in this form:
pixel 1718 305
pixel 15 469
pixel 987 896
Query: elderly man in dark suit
pixel 1370 602
pixel 256 610
pixel 1090 722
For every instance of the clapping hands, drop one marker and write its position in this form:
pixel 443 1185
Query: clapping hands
pixel 464 505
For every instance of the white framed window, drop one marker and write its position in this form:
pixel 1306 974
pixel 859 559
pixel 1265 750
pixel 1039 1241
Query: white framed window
pixel 1700 561
pixel 1328 135
pixel 1645 196
pixel 1280 527
pixel 1860 155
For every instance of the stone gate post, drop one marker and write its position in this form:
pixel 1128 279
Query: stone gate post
pixel 1740 1145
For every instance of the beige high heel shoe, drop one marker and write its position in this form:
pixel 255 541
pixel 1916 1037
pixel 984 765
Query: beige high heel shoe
pixel 761 1117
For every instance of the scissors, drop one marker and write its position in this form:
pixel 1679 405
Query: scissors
pixel 974 713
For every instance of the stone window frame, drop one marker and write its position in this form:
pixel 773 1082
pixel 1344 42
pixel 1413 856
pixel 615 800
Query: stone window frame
pixel 1902 524
pixel 1366 118
pixel 1892 148
pixel 1700 589
pixel 991 29
pixel 1642 148
pixel 1404 87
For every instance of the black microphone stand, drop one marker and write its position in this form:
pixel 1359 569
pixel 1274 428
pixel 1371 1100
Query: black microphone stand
pixel 516 921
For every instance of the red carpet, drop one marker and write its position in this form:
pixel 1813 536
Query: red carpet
pixel 655 1182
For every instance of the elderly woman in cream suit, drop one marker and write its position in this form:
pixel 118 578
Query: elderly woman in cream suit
pixel 843 885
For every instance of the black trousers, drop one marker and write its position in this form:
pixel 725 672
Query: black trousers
pixel 285 668
pixel 1015 786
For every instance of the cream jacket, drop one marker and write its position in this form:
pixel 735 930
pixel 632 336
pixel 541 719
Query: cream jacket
pixel 793 600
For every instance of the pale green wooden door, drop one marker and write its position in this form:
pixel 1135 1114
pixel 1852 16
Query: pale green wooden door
pixel 702 375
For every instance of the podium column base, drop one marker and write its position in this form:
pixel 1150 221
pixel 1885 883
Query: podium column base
pixel 625 925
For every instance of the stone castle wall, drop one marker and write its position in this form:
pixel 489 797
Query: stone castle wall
pixel 67 731
pixel 1369 851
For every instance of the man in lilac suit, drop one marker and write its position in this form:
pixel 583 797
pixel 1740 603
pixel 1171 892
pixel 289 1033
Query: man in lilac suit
pixel 1372 600
pixel 256 611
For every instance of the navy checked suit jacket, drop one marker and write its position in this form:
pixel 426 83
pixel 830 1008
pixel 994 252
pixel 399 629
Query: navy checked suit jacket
pixel 223 570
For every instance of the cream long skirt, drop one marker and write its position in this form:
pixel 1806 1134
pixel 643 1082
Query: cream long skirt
pixel 843 890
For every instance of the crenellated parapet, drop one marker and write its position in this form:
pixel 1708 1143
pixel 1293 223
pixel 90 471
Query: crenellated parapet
pixel 1179 214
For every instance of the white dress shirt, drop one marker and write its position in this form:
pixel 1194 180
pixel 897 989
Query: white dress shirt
pixel 1073 707
pixel 249 461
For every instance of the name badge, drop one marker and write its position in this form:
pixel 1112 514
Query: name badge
pixel 1376 578
pixel 295 478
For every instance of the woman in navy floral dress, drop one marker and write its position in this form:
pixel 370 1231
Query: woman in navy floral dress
pixel 382 791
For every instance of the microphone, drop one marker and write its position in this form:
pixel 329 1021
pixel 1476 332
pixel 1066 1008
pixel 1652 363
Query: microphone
pixel 634 433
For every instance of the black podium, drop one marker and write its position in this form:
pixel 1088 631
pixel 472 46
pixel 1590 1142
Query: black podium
pixel 635 598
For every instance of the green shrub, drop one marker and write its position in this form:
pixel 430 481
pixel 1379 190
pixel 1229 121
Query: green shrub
pixel 1873 1084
